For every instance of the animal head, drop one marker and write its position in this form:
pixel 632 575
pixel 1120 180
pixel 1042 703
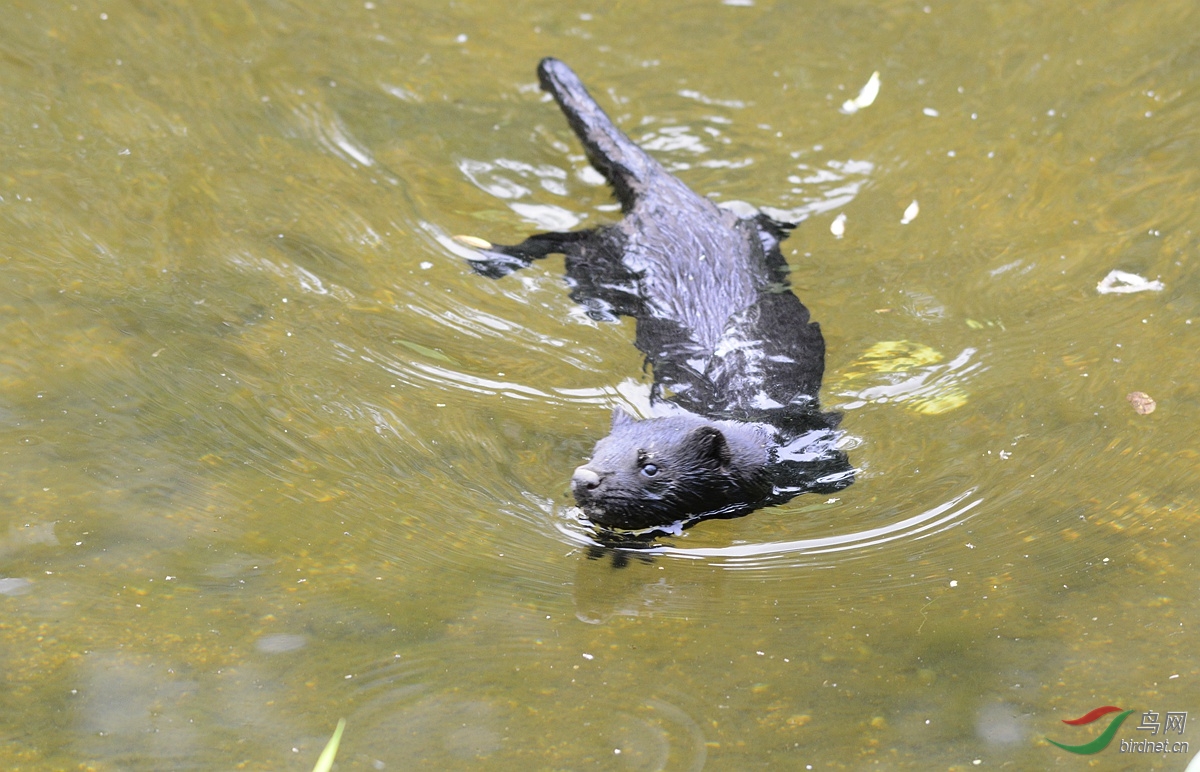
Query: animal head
pixel 662 470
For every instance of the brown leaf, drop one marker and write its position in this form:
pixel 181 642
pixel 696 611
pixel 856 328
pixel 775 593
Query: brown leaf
pixel 1141 401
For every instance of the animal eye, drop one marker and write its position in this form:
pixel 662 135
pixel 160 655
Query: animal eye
pixel 649 470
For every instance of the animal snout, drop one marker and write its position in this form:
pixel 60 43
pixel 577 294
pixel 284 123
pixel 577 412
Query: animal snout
pixel 585 480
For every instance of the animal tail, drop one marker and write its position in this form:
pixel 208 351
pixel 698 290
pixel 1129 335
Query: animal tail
pixel 625 165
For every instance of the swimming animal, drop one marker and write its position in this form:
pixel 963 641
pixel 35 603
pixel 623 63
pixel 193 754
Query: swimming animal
pixel 736 360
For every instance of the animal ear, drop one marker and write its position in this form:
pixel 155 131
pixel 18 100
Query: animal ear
pixel 621 419
pixel 710 444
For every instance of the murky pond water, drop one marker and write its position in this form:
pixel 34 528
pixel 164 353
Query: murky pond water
pixel 273 455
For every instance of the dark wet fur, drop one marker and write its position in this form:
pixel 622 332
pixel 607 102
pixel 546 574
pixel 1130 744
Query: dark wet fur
pixel 737 361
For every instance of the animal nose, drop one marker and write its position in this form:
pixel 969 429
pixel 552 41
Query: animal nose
pixel 585 479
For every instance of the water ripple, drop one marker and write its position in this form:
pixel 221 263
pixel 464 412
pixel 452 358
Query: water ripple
pixel 801 552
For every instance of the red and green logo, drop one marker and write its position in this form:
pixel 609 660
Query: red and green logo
pixel 1101 741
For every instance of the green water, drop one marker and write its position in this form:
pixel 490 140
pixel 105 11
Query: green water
pixel 273 455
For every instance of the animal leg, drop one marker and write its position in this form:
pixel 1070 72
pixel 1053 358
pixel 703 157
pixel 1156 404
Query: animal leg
pixel 497 260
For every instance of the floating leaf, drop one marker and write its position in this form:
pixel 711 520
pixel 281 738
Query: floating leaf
pixel 492 215
pixel 474 242
pixel 1123 282
pixel 865 98
pixel 325 760
pixel 426 351
pixel 1142 403
pixel 838 226
pixel 908 372
pixel 894 356
pixel 943 401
